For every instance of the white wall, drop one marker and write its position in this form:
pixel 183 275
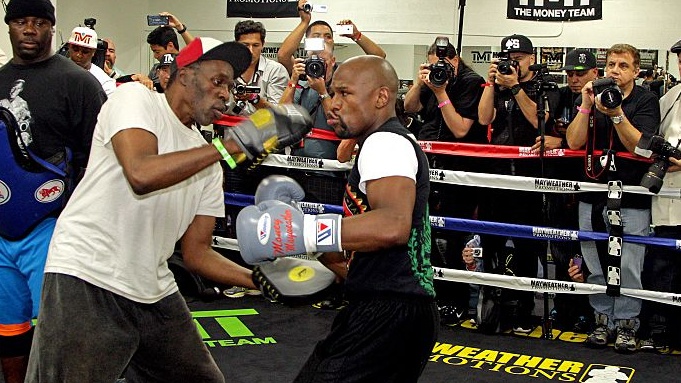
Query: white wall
pixel 397 25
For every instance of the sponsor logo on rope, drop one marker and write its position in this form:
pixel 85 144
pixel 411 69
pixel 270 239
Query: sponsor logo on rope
pixel 559 185
pixel 558 234
pixel 305 162
pixel 559 286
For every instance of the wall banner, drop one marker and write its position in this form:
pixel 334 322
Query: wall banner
pixel 262 8
pixel 555 10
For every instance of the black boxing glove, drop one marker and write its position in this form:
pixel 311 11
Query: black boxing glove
pixel 270 129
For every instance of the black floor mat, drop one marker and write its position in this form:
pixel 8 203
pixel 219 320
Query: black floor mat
pixel 255 341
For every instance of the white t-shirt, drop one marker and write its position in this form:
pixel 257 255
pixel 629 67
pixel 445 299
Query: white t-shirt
pixel 115 239
pixel 667 211
pixel 386 154
pixel 108 84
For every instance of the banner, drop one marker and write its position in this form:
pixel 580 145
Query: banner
pixel 262 8
pixel 555 10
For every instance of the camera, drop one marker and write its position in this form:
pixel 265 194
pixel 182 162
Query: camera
pixel 607 92
pixel 505 64
pixel 441 71
pixel 309 8
pixel 655 144
pixel 157 20
pixel 477 252
pixel 90 22
pixel 315 67
pixel 241 89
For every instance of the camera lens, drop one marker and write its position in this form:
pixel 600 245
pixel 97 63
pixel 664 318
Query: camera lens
pixel 239 89
pixel 315 67
pixel 652 180
pixel 438 76
pixel 440 73
pixel 610 98
pixel 307 8
pixel 504 67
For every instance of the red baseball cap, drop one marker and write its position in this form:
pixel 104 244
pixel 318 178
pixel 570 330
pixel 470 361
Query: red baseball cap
pixel 207 48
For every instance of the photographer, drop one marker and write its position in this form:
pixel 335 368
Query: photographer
pixel 82 47
pixel 662 268
pixel 321 29
pixel 571 311
pixel 603 132
pixel 268 76
pixel 450 113
pixel 508 104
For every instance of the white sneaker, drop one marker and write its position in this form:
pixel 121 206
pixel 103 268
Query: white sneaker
pixel 238 292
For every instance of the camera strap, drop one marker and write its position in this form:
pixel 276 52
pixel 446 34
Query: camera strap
pixel 607 154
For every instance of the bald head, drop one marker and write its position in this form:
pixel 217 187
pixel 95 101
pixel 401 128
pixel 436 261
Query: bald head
pixel 365 90
pixel 375 72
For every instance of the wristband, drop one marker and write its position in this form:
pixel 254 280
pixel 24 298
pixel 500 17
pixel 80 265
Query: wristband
pixel 183 30
pixel 291 84
pixel 486 84
pixel 443 103
pixel 515 89
pixel 217 142
pixel 583 110
pixel 359 37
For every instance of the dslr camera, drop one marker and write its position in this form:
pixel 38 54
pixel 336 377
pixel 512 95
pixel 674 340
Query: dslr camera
pixel 505 64
pixel 314 65
pixel 607 92
pixel 241 89
pixel 442 71
pixel 655 144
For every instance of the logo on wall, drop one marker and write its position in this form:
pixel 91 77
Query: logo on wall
pixel 262 8
pixel 555 10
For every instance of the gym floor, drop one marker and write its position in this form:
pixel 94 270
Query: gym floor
pixel 256 341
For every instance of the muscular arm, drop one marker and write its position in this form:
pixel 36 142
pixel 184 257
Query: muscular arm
pixel 292 41
pixel 200 258
pixel 412 99
pixel 576 133
pixel 457 124
pixel 392 200
pixel 147 171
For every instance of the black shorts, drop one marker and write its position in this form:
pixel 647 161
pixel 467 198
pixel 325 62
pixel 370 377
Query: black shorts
pixel 375 340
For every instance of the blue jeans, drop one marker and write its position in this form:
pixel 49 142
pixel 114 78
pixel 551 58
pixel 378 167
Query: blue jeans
pixel 635 222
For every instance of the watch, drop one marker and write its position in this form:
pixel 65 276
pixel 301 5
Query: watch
pixel 324 96
pixel 515 89
pixel 617 119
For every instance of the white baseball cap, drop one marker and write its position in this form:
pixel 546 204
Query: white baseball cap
pixel 84 37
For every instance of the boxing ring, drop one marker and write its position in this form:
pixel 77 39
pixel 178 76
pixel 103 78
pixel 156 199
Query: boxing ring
pixel 545 185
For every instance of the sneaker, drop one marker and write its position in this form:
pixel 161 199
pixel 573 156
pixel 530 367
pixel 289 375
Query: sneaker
pixel 523 324
pixel 646 345
pixel 625 342
pixel 601 335
pixel 450 314
pixel 238 292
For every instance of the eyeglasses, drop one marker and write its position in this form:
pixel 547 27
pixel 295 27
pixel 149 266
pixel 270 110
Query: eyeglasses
pixel 83 50
pixel 578 73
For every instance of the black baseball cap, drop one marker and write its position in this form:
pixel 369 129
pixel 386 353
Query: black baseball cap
pixel 167 59
pixel 579 59
pixel 516 43
pixel 676 48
